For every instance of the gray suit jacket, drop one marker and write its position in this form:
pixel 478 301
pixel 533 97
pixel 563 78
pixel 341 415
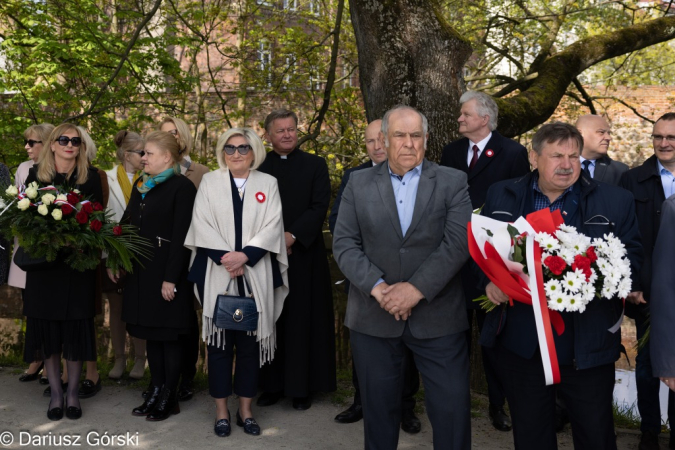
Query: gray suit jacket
pixel 662 301
pixel 369 245
pixel 609 171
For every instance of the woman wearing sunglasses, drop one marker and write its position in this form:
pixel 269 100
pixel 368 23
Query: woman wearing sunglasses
pixel 157 295
pixel 120 179
pixel 34 136
pixel 237 234
pixel 59 301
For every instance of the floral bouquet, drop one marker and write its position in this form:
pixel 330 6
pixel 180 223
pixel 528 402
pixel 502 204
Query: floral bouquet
pixel 540 261
pixel 51 220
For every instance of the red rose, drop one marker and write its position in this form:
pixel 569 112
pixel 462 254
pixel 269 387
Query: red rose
pixel 73 198
pixel 584 264
pixel 555 264
pixel 590 254
pixel 95 225
pixel 98 206
pixel 66 209
pixel 117 230
pixel 88 208
pixel 82 217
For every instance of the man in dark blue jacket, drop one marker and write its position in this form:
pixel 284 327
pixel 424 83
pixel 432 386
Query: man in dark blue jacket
pixel 587 349
pixel 651 183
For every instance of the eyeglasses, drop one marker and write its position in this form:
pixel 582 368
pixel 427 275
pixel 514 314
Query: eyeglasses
pixel 63 141
pixel 31 142
pixel 659 138
pixel 242 149
pixel 141 153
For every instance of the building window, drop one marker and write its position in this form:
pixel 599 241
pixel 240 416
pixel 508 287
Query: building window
pixel 265 61
pixel 291 5
pixel 314 7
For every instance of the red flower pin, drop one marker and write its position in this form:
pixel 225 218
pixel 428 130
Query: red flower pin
pixel 260 197
pixel 489 153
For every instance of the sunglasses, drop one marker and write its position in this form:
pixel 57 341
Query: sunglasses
pixel 242 149
pixel 141 153
pixel 173 132
pixel 31 142
pixel 63 141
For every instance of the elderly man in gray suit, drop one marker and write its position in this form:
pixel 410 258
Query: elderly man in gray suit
pixel 595 163
pixel 400 239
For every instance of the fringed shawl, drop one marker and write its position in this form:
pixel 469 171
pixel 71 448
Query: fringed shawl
pixel 212 227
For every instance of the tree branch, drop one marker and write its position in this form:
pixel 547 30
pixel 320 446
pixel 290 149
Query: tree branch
pixel 587 98
pixel 124 58
pixel 632 108
pixel 537 103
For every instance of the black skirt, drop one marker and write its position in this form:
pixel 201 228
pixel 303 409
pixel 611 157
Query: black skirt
pixel 74 339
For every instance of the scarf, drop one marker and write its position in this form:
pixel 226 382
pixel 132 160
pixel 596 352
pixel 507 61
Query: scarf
pixel 147 181
pixel 212 227
pixel 125 184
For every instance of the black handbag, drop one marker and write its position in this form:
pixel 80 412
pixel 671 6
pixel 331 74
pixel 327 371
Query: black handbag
pixel 28 263
pixel 236 312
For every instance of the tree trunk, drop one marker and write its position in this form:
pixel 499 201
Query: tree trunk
pixel 408 54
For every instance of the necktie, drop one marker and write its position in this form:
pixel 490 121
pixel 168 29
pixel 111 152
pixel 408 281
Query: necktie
pixel 474 158
pixel 587 171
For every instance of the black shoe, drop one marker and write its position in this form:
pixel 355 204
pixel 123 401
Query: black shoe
pixel 149 403
pixel 31 376
pixel 268 398
pixel 147 391
pixel 54 413
pixel 352 414
pixel 73 412
pixel 500 420
pixel 410 423
pixel 185 392
pixel 561 418
pixel 48 390
pixel 89 388
pixel 222 427
pixel 43 380
pixel 250 425
pixel 166 405
pixel 302 403
pixel 649 441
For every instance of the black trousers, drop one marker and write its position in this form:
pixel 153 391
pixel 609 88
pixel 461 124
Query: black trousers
pixel 247 369
pixel 490 363
pixel 587 394
pixel 411 382
pixel 444 365
pixel 190 343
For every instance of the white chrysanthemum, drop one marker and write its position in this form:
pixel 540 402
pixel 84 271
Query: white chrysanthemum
pixel 572 281
pixel 572 303
pixel 567 254
pixel 557 302
pixel 593 278
pixel 624 288
pixel 587 292
pixel 608 290
pixel 603 265
pixel 581 307
pixel 580 244
pixel 552 288
pixel 567 228
pixel 547 242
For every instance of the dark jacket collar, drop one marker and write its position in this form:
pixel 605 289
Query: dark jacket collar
pixel 520 185
pixel 648 169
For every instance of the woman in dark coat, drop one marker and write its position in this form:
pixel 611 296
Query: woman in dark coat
pixel 58 302
pixel 157 296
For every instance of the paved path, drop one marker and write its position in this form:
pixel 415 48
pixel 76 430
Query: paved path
pixel 23 415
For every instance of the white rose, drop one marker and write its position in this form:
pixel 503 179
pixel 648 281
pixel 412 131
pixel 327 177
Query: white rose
pixel 42 209
pixel 77 191
pixel 57 214
pixel 48 199
pixel 62 198
pixel 31 192
pixel 23 204
pixel 12 190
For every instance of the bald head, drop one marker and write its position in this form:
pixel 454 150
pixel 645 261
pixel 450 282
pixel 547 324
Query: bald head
pixel 374 146
pixel 597 135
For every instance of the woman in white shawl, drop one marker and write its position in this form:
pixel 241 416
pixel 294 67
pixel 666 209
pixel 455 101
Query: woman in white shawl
pixel 237 232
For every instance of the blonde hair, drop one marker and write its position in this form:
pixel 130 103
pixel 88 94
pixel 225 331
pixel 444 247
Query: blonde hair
pixel 167 143
pixel 41 131
pixel 253 140
pixel 126 141
pixel 90 145
pixel 184 137
pixel 47 163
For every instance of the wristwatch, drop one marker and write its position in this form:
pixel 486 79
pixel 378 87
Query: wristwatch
pixel 293 236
